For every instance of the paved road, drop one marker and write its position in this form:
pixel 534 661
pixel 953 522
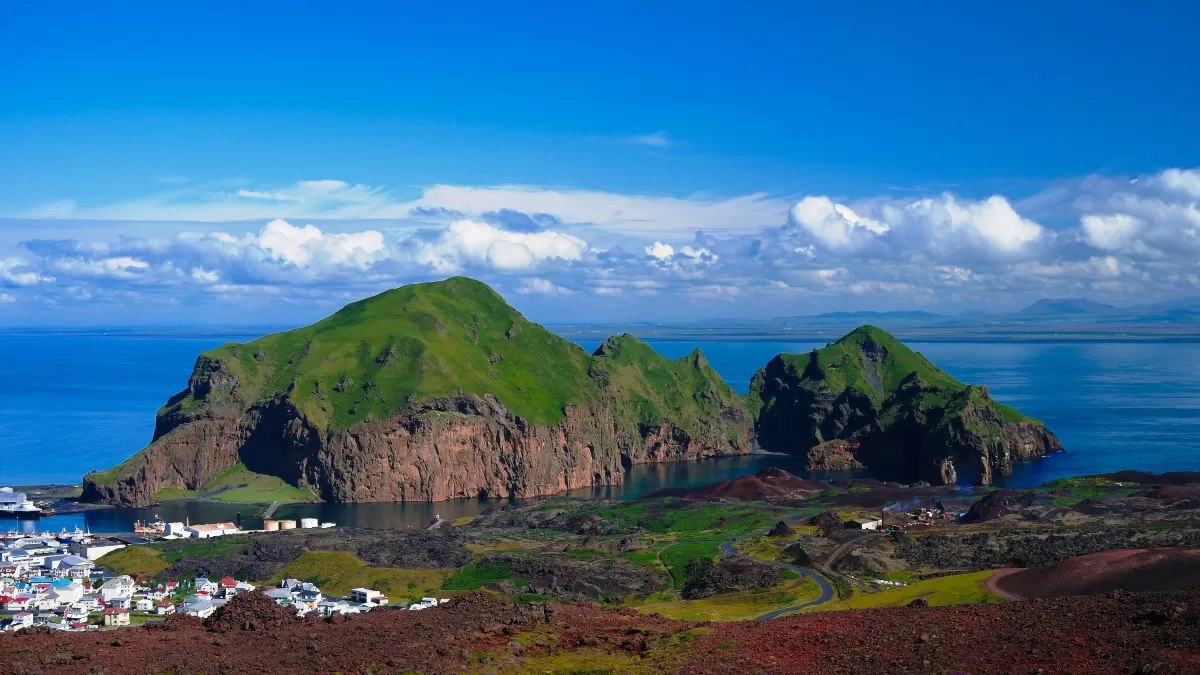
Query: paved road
pixel 730 548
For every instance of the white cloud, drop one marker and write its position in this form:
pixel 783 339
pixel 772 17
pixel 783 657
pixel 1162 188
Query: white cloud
pixel 618 213
pixel 943 228
pixel 17 272
pixel 6 299
pixel 301 246
pixel 660 250
pixel 540 286
pixel 468 241
pixel 644 215
pixel 835 226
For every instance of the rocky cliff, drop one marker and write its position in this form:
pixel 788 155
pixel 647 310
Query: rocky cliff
pixel 868 401
pixel 425 393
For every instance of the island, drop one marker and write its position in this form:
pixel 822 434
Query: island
pixel 443 390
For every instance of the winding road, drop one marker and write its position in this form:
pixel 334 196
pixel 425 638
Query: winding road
pixel 729 548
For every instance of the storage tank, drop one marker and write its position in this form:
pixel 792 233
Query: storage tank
pixel 287 524
pixel 308 523
pixel 270 525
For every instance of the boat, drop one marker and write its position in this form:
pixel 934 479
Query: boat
pixel 157 527
pixel 17 505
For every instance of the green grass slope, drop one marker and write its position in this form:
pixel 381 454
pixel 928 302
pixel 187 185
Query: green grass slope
pixel 375 357
pixel 649 389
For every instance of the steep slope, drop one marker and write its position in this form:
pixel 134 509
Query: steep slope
pixel 429 392
pixel 869 401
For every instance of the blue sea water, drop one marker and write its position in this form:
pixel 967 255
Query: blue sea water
pixel 73 402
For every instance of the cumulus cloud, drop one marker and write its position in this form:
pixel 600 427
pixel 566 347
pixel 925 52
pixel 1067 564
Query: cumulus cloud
pixel 468 241
pixel 539 286
pixel 17 272
pixel 933 227
pixel 7 298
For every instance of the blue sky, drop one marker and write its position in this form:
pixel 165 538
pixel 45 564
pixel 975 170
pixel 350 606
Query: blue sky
pixel 654 159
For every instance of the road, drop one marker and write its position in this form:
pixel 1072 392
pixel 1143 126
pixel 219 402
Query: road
pixel 729 548
pixel 992 586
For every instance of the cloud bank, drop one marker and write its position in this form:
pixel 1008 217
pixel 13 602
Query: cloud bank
pixel 1112 238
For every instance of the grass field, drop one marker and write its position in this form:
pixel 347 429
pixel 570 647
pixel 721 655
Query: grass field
pixel 337 572
pixel 137 561
pixel 958 589
pixel 475 576
pixel 238 484
pixel 737 606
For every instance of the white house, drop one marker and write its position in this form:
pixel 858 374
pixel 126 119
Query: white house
pixel 199 608
pixel 177 530
pixel 117 587
pixel 21 620
pixel 94 549
pixel 164 607
pixel 116 617
pixel 69 594
pixel 144 605
pixel 76 612
pixel 364 595
pixel 213 530
pixel 203 584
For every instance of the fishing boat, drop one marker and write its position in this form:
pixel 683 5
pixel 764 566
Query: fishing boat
pixel 156 527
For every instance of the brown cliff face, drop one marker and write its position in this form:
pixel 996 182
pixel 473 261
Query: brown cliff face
pixel 836 455
pixel 450 448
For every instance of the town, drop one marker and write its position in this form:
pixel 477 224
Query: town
pixel 54 581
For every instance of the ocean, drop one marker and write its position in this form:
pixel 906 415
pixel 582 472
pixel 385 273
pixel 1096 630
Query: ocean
pixel 71 402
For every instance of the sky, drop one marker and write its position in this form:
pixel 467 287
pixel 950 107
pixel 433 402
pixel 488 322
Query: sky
pixel 165 163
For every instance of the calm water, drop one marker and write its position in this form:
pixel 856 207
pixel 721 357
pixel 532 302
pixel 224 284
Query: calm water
pixel 70 403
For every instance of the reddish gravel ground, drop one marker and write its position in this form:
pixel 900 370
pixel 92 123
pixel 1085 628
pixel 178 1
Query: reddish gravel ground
pixel 1154 569
pixel 1117 633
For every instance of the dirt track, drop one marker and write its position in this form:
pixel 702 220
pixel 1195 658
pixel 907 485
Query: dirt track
pixel 992 584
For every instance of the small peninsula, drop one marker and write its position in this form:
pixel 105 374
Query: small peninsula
pixel 442 390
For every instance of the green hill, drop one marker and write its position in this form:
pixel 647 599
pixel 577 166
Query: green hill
pixel 868 400
pixel 438 389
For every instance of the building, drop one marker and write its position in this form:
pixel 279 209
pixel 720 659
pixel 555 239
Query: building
pixel 144 605
pixel 68 594
pixel 177 530
pixel 94 549
pixel 864 524
pixel 117 587
pixel 364 595
pixel 309 523
pixel 21 620
pixel 116 617
pixel 213 530
pixel 199 608
pixel 76 612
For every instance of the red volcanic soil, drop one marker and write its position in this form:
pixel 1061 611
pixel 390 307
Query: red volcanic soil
pixel 1154 569
pixel 770 483
pixel 1144 478
pixel 1118 633
pixel 1174 493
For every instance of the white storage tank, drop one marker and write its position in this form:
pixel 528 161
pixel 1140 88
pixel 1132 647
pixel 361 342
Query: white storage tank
pixel 287 524
pixel 308 523
pixel 270 525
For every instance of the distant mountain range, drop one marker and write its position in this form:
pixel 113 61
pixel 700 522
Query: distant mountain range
pixel 1048 317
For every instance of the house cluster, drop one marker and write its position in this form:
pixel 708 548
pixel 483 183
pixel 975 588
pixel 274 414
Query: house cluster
pixel 308 600
pixel 54 581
